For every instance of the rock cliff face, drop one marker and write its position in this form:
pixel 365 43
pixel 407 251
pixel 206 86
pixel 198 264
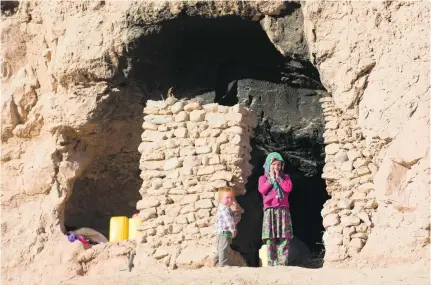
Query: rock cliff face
pixel 76 77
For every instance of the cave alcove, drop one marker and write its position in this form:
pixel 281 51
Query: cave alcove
pixel 227 60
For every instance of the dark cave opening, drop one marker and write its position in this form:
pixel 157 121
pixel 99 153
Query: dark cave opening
pixel 230 60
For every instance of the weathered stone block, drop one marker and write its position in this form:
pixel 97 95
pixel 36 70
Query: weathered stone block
pixel 147 203
pixel 192 106
pixel 197 115
pixel 204 204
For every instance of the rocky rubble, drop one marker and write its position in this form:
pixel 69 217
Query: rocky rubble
pixel 349 170
pixel 188 151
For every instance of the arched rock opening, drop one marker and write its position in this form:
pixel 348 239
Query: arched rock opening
pixel 227 60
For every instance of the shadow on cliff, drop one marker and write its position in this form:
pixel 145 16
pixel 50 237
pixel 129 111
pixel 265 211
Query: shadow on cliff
pixel 229 60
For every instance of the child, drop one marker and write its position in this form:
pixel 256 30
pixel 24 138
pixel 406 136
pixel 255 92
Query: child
pixel 225 226
pixel 275 187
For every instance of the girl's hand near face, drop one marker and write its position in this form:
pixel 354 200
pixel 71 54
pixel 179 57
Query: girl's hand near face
pixel 272 173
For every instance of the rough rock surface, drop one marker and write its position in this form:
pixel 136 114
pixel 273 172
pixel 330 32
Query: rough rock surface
pixel 76 76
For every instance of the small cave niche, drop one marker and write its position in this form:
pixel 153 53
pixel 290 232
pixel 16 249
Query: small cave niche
pixel 227 60
pixel 110 183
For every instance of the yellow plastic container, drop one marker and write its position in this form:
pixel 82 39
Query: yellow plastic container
pixel 118 229
pixel 134 224
pixel 263 256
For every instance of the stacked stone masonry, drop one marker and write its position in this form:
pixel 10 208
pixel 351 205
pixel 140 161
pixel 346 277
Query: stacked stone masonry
pixel 188 151
pixel 349 170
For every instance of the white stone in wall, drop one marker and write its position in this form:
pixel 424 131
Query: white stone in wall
pixel 332 148
pixel 197 115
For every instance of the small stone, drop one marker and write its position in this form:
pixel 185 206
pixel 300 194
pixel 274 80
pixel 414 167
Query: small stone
pixel 358 208
pixel 182 220
pixel 341 156
pixel 365 188
pixel 363 170
pixel 189 199
pixel 359 196
pixel 350 221
pixel 206 170
pixel 203 149
pixel 332 148
pixel 149 126
pixel 360 235
pixel 331 176
pixel 214 159
pixel 177 107
pixel 211 107
pixel 147 214
pixel 348 231
pixel 181 117
pixel 197 115
pixel 371 205
pixel 373 168
pixel 222 175
pixel 362 228
pixel 203 213
pixel 216 120
pixel 181 132
pixel 172 164
pixel 239 109
pixel 357 243
pixel 348 146
pixel 331 125
pixel 204 204
pixel 147 203
pixel 353 154
pixel 156 104
pixel 168 184
pixel 364 217
pixel 360 162
pixel 223 109
pixel 158 119
pixel 235 130
pixel 222 139
pixel 192 106
pixel 331 220
pixel 366 153
pixel 187 151
pixel 347 166
pixel 365 178
pixel 191 217
pixel 345 204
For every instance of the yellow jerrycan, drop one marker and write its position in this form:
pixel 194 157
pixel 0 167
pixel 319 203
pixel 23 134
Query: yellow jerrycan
pixel 118 229
pixel 263 256
pixel 134 224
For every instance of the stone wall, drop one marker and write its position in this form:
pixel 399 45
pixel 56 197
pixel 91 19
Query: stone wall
pixel 188 151
pixel 349 170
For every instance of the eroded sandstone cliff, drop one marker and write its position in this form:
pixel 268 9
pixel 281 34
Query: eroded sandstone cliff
pixel 76 76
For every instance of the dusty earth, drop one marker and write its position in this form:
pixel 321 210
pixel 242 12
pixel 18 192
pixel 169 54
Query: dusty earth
pixel 417 274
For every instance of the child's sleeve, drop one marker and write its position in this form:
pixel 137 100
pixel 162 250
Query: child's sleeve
pixel 264 187
pixel 237 217
pixel 285 184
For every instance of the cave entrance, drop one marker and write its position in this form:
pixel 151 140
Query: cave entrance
pixel 227 60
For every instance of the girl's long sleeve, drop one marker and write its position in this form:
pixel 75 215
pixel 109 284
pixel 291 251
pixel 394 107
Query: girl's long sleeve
pixel 264 186
pixel 285 184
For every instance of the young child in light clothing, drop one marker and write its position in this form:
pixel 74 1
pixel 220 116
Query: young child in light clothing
pixel 225 224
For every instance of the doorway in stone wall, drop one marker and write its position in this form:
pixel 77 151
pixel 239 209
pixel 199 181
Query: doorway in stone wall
pixel 227 60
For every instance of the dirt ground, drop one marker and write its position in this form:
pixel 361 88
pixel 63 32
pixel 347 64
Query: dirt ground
pixel 417 274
